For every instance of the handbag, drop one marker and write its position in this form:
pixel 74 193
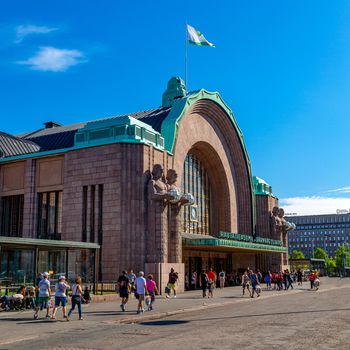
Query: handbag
pixel 76 298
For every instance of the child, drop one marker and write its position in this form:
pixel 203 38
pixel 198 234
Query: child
pixel 210 288
pixel 148 301
pixel 317 283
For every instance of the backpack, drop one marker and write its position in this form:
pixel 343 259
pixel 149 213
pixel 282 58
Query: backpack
pixel 222 274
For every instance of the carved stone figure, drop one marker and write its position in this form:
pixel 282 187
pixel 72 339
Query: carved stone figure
pixel 157 187
pixel 173 190
pixel 175 249
pixel 274 223
pixel 158 198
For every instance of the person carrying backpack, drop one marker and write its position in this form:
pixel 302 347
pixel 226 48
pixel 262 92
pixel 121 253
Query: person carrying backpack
pixel 222 278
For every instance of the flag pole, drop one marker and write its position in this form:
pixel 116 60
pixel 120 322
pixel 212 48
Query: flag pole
pixel 186 57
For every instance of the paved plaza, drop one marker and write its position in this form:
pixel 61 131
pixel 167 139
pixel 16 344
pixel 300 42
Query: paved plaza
pixel 299 319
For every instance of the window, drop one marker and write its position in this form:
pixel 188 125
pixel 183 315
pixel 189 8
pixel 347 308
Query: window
pixel 196 181
pixel 12 216
pixel 50 215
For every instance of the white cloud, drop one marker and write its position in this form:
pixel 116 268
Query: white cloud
pixel 54 60
pixel 340 190
pixel 23 30
pixel 314 205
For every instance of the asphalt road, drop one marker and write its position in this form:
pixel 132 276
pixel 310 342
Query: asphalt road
pixel 299 320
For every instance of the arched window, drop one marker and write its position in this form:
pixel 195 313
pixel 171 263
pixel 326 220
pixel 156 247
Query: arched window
pixel 195 180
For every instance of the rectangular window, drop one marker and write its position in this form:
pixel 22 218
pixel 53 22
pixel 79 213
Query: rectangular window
pixel 50 215
pixel 12 216
pixel 84 215
pixel 100 215
pixel 92 214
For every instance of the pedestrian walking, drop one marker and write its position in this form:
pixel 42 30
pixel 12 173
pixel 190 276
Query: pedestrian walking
pixel 172 281
pixel 123 285
pixel 152 291
pixel 267 279
pixel 43 298
pixel 132 278
pixel 312 279
pixel 300 277
pixel 212 276
pixel 259 275
pixel 141 291
pixel 61 297
pixel 246 282
pixel 289 280
pixel 280 280
pixel 222 277
pixel 203 281
pixel 77 297
pixel 255 282
pixel 187 282
pixel 194 280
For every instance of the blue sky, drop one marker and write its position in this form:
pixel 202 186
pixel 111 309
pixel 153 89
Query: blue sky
pixel 283 67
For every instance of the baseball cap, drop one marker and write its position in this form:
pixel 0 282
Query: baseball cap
pixel 46 274
pixel 62 278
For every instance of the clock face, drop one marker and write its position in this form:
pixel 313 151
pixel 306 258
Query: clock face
pixel 193 213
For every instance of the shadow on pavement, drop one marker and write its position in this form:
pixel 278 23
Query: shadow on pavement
pixel 163 323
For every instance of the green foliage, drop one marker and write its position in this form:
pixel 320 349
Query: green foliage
pixel 331 265
pixel 320 253
pixel 342 257
pixel 297 254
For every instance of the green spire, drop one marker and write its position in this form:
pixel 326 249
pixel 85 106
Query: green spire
pixel 176 89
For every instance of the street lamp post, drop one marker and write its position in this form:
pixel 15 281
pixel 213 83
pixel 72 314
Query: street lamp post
pixel 344 258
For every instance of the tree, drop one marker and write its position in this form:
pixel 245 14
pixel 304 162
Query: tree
pixel 331 265
pixel 342 257
pixel 320 253
pixel 297 254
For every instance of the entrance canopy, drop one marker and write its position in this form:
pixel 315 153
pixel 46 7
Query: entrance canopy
pixel 238 242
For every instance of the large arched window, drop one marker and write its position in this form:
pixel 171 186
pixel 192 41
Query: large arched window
pixel 196 219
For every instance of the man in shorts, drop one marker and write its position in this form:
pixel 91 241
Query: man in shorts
pixel 173 277
pixel 43 296
pixel 123 284
pixel 141 290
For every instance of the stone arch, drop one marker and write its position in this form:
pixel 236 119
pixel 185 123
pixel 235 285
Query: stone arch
pixel 207 128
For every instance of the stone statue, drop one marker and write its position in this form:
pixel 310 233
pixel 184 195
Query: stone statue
pixel 285 225
pixel 274 223
pixel 173 190
pixel 157 187
pixel 278 224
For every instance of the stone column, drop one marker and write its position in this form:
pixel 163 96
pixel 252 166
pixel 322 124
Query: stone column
pixel 175 241
pixel 157 237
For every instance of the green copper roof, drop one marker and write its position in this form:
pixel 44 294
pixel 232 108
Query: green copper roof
pixel 261 187
pixel 112 130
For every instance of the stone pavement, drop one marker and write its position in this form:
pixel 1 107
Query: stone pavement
pixel 19 327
